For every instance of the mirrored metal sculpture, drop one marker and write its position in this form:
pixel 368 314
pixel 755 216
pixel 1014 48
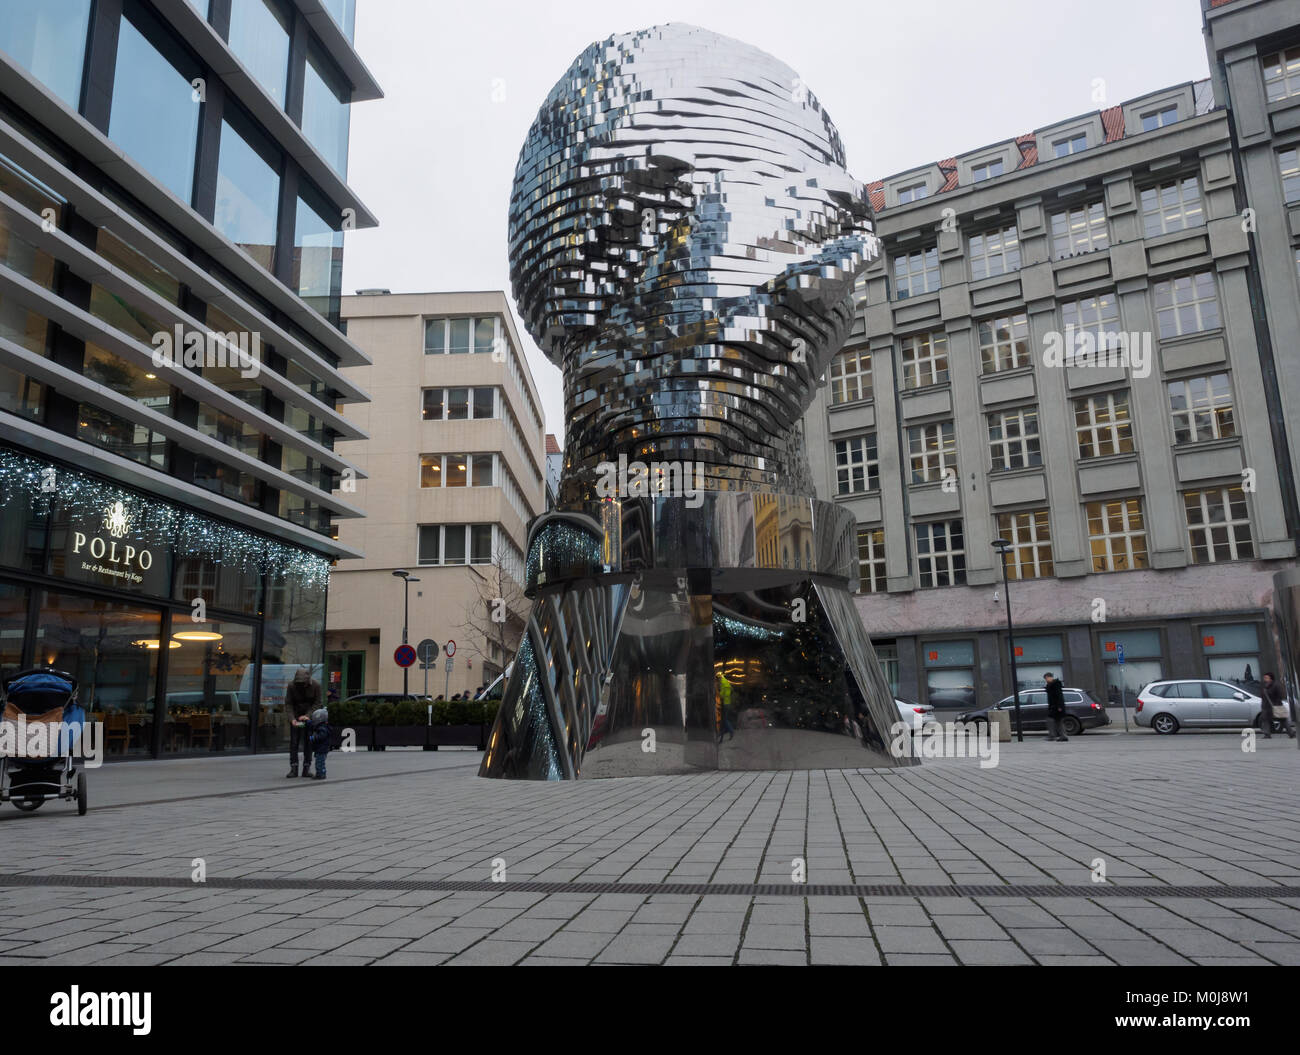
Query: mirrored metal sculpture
pixel 684 243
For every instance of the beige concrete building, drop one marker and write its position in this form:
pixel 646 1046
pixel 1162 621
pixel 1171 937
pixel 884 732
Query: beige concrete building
pixel 453 471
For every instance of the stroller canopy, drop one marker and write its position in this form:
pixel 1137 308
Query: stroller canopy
pixel 38 691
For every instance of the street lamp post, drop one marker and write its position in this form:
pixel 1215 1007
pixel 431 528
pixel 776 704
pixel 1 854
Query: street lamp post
pixel 405 576
pixel 1002 545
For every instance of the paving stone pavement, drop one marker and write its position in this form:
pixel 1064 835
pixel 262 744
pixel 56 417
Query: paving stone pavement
pixel 1177 812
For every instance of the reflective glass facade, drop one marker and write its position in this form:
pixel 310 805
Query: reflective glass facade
pixel 155 115
pixel 49 39
pixel 248 193
pixel 325 113
pixel 259 37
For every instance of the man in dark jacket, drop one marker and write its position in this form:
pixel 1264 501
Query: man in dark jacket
pixel 300 699
pixel 1272 701
pixel 1055 709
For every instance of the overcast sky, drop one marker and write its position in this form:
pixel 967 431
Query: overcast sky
pixel 905 83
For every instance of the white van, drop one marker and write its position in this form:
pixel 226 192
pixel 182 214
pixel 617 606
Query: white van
pixel 275 679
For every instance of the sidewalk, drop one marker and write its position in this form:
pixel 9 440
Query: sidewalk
pixel 390 861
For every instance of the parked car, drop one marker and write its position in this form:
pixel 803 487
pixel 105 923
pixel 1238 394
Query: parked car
pixel 1167 706
pixel 1081 711
pixel 917 715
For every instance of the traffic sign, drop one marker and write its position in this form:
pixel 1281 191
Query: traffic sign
pixel 449 648
pixel 427 650
pixel 449 663
pixel 1119 654
pixel 404 656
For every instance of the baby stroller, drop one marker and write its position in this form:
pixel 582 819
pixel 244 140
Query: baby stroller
pixel 36 768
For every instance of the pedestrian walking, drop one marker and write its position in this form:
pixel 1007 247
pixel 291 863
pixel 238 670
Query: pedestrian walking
pixel 1273 705
pixel 1055 709
pixel 722 700
pixel 319 737
pixel 301 698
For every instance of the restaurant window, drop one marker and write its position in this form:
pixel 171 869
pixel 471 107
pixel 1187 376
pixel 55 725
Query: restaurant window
pixel 13 626
pixel 949 673
pixel 209 686
pixel 111 648
pixel 1232 654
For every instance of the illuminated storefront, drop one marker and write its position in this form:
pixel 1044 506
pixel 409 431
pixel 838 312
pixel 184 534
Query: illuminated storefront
pixel 181 629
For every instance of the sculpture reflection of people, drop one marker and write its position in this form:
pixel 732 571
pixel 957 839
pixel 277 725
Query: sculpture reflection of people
pixel 300 699
pixel 722 701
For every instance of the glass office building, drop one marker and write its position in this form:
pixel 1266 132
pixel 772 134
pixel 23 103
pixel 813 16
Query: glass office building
pixel 172 207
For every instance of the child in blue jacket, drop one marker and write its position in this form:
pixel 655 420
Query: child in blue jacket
pixel 318 736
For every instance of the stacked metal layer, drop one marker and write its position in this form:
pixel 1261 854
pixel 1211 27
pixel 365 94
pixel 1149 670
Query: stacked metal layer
pixel 684 241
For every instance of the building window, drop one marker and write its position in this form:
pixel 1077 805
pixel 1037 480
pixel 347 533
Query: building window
pixel 940 554
pixel 916 273
pixel 1102 425
pixel 1036 656
pixel 1172 206
pixel 986 170
pixel 850 376
pixel 1159 118
pixel 1117 534
pixel 1097 315
pixel 1004 343
pixel 1081 229
pixel 1071 144
pixel 1218 525
pixel 1232 654
pixel 1201 408
pixel 1187 304
pixel 887 654
pixel 925 359
pixel 450 544
pixel 949 673
pixel 457 470
pixel 48 39
pixel 460 336
pixel 1013 438
pixel 933 451
pixel 994 253
pixel 259 38
pixel 1030 535
pixel 458 404
pixel 325 109
pixel 317 273
pixel 857 468
pixel 871 560
pixel 1282 73
pixel 912 192
pixel 1142 662
pixel 248 189
pixel 154 117
pixel 1288 164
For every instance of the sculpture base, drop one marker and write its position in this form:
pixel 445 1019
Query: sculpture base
pixel 617 676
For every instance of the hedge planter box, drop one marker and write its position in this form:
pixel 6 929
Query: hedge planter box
pixel 399 735
pixel 457 735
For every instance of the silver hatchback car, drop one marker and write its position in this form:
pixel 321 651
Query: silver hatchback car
pixel 1167 706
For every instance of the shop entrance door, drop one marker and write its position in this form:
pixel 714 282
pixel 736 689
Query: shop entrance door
pixel 347 675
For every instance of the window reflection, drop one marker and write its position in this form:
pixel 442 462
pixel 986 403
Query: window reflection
pixel 325 110
pixel 317 273
pixel 259 38
pixel 48 39
pixel 155 117
pixel 209 686
pixel 248 191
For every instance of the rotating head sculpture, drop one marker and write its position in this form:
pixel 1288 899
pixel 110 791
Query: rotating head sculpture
pixel 684 242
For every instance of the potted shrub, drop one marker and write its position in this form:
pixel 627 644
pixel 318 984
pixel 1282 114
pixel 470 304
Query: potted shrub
pixel 463 725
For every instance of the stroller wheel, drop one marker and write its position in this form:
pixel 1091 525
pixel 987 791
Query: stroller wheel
pixel 29 805
pixel 82 804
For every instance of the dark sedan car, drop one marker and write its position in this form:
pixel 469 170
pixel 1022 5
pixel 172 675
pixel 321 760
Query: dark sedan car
pixel 1081 711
